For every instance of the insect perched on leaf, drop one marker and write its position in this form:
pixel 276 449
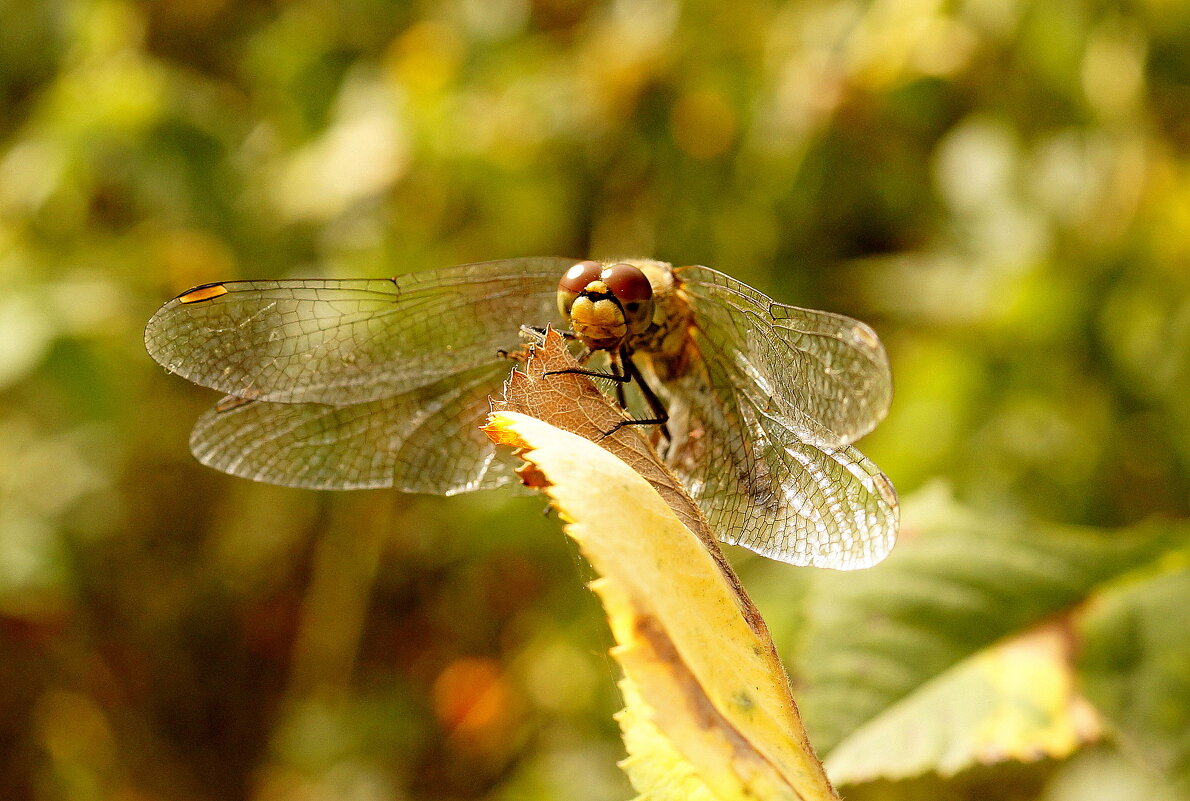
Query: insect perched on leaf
pixel 346 384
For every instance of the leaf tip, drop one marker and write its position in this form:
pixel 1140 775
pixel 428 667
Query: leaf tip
pixel 501 429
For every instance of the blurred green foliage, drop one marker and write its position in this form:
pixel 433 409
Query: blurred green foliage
pixel 1001 188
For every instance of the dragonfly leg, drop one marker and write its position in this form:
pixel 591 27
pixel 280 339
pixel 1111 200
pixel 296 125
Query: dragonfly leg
pixel 536 333
pixel 620 399
pixel 660 414
pixel 630 373
pixel 620 379
pixel 520 355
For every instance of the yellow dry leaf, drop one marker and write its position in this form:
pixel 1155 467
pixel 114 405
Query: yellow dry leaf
pixel 709 710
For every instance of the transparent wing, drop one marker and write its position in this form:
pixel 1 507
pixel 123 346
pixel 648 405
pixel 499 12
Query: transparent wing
pixel 763 421
pixel 423 440
pixel 828 374
pixel 354 341
pixel 358 383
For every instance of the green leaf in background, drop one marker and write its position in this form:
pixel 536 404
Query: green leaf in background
pixel 1013 701
pixel 902 650
pixel 1135 664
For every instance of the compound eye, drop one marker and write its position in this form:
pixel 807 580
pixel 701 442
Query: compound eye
pixel 577 277
pixel 627 283
pixel 574 282
pixel 634 292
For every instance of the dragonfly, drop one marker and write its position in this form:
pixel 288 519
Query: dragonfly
pixel 371 383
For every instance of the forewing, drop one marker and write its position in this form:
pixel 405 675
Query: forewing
pixel 424 440
pixel 826 374
pixel 351 341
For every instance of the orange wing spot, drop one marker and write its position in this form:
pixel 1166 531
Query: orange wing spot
pixel 201 293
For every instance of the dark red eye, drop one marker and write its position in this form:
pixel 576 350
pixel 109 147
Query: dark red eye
pixel 627 283
pixel 578 276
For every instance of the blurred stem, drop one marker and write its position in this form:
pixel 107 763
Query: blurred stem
pixel 344 569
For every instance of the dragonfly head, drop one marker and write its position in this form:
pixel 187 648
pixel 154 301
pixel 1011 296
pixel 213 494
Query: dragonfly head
pixel 605 305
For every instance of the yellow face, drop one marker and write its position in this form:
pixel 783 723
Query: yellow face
pixel 605 306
